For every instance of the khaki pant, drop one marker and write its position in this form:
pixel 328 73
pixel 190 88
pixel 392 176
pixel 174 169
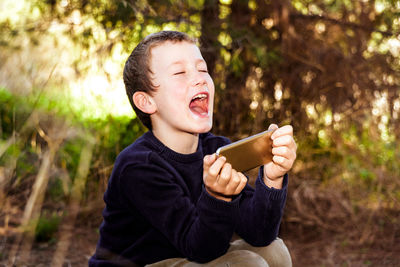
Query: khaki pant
pixel 240 254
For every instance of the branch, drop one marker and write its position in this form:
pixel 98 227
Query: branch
pixel 343 23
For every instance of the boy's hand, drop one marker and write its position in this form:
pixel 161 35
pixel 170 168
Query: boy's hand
pixel 284 154
pixel 220 180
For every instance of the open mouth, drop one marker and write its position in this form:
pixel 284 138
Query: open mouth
pixel 199 104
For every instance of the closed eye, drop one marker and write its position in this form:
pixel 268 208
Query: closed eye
pixel 206 71
pixel 179 72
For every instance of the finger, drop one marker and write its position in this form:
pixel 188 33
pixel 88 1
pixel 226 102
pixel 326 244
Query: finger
pixel 207 161
pixel 215 168
pixel 225 175
pixel 284 151
pixel 242 184
pixel 233 182
pixel 284 164
pixel 272 126
pixel 285 140
pixel 284 130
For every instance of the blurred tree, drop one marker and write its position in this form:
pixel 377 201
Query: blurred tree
pixel 271 60
pixel 323 66
pixel 331 68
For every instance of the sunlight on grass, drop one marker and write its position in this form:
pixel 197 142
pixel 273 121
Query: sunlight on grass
pixel 99 98
pixel 85 80
pixel 13 10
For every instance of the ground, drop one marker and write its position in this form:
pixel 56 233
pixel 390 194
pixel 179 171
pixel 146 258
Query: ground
pixel 313 249
pixel 320 228
pixel 335 250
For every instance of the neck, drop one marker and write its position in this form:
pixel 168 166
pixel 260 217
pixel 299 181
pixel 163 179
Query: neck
pixel 181 142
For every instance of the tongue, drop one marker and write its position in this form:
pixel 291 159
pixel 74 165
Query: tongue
pixel 199 106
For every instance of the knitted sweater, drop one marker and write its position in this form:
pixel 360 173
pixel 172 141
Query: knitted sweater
pixel 157 208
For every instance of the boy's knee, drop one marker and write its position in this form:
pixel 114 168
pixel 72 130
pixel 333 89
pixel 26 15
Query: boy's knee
pixel 239 258
pixel 276 254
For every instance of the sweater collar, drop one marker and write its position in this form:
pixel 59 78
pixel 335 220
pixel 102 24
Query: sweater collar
pixel 168 153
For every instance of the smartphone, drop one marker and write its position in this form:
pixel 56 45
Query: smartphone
pixel 250 152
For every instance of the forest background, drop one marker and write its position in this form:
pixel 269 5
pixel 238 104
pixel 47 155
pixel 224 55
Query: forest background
pixel 329 68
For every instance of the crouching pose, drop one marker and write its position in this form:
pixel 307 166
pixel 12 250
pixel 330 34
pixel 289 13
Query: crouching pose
pixel 170 200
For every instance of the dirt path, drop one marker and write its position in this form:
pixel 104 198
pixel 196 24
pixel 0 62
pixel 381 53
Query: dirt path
pixel 324 249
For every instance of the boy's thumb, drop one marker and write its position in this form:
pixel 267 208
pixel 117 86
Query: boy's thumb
pixel 208 159
pixel 273 126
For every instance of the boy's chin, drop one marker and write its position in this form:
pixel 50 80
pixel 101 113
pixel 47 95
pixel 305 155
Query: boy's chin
pixel 204 129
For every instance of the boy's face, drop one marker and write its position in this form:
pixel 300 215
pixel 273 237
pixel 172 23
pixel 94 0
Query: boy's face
pixel 184 93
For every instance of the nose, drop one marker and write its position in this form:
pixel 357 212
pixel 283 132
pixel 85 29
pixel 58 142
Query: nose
pixel 198 78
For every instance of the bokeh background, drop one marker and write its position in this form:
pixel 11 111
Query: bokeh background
pixel 329 68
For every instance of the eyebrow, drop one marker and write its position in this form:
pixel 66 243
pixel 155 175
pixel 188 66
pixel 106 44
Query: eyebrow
pixel 179 62
pixel 175 63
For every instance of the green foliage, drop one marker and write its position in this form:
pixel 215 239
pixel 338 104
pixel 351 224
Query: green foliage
pixel 237 64
pixel 330 61
pixel 10 118
pixel 47 227
pixel 23 156
pixel 56 192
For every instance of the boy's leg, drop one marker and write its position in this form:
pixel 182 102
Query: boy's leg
pixel 275 254
pixel 240 254
pixel 235 258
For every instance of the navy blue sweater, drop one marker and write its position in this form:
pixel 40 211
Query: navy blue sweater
pixel 157 208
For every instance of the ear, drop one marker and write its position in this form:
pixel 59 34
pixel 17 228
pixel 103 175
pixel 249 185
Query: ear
pixel 144 102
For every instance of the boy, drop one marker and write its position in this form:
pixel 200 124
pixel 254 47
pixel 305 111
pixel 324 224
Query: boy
pixel 170 200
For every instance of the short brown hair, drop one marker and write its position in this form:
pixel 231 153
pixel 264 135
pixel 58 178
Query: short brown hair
pixel 137 68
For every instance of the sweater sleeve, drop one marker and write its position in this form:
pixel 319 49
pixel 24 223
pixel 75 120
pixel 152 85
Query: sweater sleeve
pixel 200 231
pixel 261 211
